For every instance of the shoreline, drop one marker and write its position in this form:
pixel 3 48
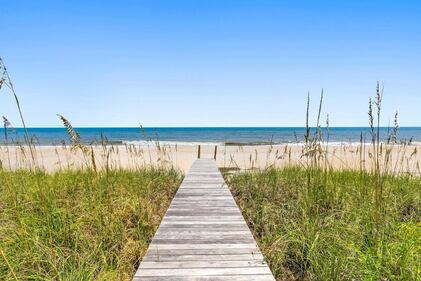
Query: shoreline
pixel 208 143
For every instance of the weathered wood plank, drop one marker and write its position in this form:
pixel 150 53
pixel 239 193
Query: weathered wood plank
pixel 182 235
pixel 202 271
pixel 200 264
pixel 162 252
pixel 260 277
pixel 203 235
pixel 205 226
pixel 233 257
pixel 205 245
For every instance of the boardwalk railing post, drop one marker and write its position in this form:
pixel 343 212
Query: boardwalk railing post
pixel 214 153
pixel 198 152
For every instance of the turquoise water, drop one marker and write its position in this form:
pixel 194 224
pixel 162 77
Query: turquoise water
pixel 47 136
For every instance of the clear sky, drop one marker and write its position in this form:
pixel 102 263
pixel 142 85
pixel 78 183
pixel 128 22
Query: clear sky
pixel 209 63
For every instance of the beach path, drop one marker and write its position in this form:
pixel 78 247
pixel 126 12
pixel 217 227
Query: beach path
pixel 203 235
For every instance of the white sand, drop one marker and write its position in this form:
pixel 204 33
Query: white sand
pixel 181 156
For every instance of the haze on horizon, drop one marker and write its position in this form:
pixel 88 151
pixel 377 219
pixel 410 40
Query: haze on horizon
pixel 209 63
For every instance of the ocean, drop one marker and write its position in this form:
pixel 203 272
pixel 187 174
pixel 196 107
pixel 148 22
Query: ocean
pixel 242 135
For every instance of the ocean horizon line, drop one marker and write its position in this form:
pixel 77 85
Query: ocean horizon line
pixel 210 127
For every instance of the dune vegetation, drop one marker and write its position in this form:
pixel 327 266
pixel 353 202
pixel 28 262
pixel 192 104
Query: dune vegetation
pixel 330 228
pixel 80 225
pixel 316 223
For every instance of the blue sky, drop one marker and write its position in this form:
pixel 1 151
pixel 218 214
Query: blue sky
pixel 209 63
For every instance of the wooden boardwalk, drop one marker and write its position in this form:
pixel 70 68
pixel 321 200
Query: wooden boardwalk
pixel 203 235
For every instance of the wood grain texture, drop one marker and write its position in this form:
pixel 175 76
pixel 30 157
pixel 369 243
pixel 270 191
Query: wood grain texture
pixel 203 235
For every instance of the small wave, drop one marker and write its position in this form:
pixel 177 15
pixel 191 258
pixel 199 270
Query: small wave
pixel 196 143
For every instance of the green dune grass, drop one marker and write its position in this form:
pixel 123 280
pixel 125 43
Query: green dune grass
pixel 79 225
pixel 328 228
pixel 85 226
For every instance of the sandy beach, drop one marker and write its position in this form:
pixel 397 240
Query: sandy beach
pixel 403 159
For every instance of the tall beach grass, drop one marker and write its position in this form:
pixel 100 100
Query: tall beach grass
pixel 332 232
pixel 316 223
pixel 80 225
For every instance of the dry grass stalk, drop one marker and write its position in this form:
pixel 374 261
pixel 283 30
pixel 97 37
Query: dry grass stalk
pixel 5 80
pixel 76 143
